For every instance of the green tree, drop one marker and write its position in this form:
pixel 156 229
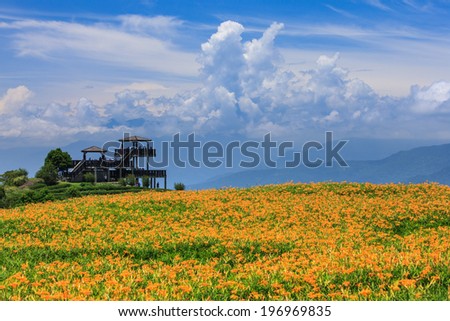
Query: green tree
pixel 59 159
pixel 49 173
pixel 15 177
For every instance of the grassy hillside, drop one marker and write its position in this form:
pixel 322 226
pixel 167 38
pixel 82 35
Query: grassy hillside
pixel 33 192
pixel 280 242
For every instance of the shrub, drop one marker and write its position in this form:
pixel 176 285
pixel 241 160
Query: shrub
pixel 20 180
pixel 48 173
pixel 2 193
pixel 89 178
pixel 122 182
pixel 59 187
pixel 131 180
pixel 30 196
pixel 146 181
pixel 179 186
pixel 38 196
pixel 37 186
pixel 15 177
pixel 73 191
pixel 36 183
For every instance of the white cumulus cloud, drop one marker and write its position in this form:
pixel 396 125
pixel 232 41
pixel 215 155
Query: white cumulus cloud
pixel 431 99
pixel 246 90
pixel 14 99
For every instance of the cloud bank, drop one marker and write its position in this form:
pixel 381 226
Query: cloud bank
pixel 246 90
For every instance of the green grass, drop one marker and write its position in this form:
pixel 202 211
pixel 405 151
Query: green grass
pixel 39 192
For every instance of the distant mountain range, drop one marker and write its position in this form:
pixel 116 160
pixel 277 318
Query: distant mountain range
pixel 416 164
pixel 431 163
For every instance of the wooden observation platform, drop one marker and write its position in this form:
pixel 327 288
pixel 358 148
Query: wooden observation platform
pixel 132 158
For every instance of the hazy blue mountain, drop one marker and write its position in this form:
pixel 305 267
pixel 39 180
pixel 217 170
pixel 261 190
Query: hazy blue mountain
pixel 415 165
pixel 420 164
pixel 442 176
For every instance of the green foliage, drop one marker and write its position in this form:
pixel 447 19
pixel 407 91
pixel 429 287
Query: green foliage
pixel 122 182
pixel 59 159
pixel 41 195
pixel 37 184
pixel 73 191
pixel 17 198
pixel 89 178
pixel 179 186
pixel 15 177
pixel 20 180
pixel 2 193
pixel 146 181
pixel 59 187
pixel 48 173
pixel 131 180
pixel 40 192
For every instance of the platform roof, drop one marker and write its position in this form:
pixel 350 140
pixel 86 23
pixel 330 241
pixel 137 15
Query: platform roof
pixel 93 149
pixel 135 139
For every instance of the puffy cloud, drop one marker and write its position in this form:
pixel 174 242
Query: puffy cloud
pixel 431 99
pixel 332 117
pixel 222 57
pixel 262 60
pixel 246 90
pixel 44 123
pixel 14 99
pixel 264 92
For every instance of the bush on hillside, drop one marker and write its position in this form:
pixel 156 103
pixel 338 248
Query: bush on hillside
pixel 49 174
pixel 146 181
pixel 15 177
pixel 73 191
pixel 2 193
pixel 131 180
pixel 89 178
pixel 179 186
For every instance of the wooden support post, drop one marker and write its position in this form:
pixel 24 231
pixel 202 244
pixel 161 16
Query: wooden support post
pixel 147 157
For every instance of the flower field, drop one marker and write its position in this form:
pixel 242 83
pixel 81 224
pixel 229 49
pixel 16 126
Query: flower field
pixel 326 241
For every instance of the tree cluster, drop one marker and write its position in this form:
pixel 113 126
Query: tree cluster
pixel 15 177
pixel 56 162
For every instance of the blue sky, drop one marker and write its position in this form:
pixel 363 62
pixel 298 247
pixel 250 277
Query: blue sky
pixel 71 70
